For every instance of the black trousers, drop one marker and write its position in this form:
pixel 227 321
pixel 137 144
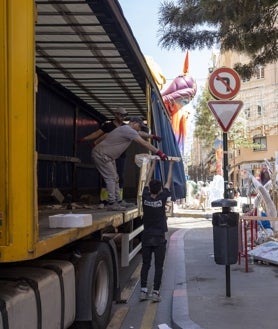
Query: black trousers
pixel 159 252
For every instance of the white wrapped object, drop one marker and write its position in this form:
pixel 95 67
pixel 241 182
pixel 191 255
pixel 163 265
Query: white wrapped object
pixel 145 157
pixel 270 206
pixel 70 220
pixel 140 158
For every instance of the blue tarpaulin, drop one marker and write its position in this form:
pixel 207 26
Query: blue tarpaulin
pixel 169 146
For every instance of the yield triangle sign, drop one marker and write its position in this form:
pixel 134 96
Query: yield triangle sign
pixel 225 112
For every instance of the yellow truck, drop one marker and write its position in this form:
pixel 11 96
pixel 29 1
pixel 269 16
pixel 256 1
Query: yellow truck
pixel 64 65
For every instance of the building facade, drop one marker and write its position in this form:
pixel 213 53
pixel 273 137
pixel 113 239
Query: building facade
pixel 259 114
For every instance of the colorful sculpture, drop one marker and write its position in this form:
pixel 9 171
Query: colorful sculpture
pixel 179 93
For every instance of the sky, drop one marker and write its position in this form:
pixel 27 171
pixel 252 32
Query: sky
pixel 142 17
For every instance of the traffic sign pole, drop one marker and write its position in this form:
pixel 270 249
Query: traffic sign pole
pixel 225 164
pixel 224 84
pixel 226 184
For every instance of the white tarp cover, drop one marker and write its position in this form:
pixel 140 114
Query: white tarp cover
pixel 267 251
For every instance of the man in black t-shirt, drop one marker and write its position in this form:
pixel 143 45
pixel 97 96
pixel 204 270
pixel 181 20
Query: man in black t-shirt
pixel 154 218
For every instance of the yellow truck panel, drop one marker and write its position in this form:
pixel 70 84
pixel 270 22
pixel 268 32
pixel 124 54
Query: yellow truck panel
pixel 17 128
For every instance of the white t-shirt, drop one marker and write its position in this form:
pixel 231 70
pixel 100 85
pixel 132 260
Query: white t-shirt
pixel 117 141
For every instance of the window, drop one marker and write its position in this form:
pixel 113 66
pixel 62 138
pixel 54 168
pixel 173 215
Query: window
pixel 259 110
pixel 247 113
pixel 260 143
pixel 260 72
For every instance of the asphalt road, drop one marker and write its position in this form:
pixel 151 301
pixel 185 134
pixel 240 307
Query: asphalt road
pixel 148 315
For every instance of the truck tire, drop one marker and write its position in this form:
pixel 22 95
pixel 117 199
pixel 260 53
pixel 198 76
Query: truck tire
pixel 94 286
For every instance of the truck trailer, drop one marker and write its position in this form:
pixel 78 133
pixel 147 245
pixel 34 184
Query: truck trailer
pixel 65 64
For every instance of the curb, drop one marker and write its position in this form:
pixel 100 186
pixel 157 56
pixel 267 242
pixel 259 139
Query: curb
pixel 180 310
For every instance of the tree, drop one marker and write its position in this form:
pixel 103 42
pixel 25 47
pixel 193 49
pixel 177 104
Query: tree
pixel 245 26
pixel 206 126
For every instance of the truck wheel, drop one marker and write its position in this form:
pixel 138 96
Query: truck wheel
pixel 95 284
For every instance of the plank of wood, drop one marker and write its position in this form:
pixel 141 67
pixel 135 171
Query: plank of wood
pixel 259 218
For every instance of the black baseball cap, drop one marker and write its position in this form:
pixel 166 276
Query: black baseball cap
pixel 120 110
pixel 138 120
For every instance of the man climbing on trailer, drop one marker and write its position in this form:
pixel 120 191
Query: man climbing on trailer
pixel 107 151
pixel 97 136
pixel 120 115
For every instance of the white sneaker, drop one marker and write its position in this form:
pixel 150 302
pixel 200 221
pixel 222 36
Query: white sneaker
pixel 115 207
pixel 155 296
pixel 101 206
pixel 143 295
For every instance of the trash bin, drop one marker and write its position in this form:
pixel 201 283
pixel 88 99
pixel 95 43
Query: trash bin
pixel 225 232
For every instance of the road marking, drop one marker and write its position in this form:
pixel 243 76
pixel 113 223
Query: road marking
pixel 149 316
pixel 120 314
pixel 118 318
pixel 129 288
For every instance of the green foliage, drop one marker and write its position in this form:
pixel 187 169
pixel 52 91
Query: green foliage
pixel 246 26
pixel 206 126
pixel 237 136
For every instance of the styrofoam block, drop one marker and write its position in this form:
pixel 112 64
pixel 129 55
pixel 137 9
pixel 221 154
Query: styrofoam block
pixel 70 220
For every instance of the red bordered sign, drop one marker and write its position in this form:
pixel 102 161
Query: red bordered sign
pixel 224 83
pixel 225 112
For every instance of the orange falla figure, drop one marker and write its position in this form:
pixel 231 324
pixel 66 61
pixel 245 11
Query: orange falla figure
pixel 219 158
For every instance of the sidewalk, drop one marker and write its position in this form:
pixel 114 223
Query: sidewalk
pixel 199 295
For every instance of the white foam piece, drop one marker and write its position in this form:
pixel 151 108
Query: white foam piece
pixel 70 220
pixel 163 326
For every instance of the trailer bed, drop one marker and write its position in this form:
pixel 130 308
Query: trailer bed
pixel 54 238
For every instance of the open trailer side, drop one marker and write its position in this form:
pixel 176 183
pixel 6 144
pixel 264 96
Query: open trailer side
pixel 64 65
